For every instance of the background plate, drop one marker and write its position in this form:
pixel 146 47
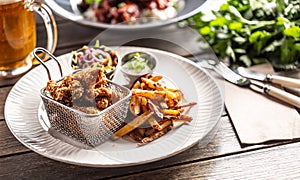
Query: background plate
pixel 64 9
pixel 24 115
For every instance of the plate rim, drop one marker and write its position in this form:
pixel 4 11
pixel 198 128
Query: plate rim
pixel 45 154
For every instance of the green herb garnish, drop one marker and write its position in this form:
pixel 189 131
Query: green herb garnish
pixel 137 63
pixel 97 43
pixel 93 1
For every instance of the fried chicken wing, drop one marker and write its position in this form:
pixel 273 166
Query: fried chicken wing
pixel 84 90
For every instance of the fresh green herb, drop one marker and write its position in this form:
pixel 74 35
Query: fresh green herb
pixel 97 43
pixel 93 1
pixel 137 64
pixel 254 31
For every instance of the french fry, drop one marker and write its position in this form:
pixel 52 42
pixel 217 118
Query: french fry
pixel 183 118
pixel 136 122
pixel 171 103
pixel 152 84
pixel 143 86
pixel 172 112
pixel 172 95
pixel 185 105
pixel 165 124
pixel 144 104
pixel 158 104
pixel 172 89
pixel 136 85
pixel 134 106
pixel 154 124
pixel 144 101
pixel 110 62
pixel 156 78
pixel 147 93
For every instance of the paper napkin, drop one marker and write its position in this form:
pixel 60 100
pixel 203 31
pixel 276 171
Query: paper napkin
pixel 258 118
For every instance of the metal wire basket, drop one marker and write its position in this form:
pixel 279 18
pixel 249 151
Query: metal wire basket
pixel 90 129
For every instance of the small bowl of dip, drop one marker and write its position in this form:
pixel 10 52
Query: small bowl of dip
pixel 136 64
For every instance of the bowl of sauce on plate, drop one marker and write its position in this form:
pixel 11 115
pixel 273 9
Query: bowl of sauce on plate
pixel 137 64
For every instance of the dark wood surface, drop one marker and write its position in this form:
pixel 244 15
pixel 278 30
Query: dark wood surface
pixel 222 158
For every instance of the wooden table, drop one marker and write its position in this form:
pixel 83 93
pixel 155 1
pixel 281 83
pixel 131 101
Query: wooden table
pixel 223 157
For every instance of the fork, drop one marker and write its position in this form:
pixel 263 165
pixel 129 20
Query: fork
pixel 235 78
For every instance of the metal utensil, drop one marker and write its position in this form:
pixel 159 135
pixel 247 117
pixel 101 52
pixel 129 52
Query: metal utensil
pixel 235 78
pixel 140 64
pixel 285 81
pixel 86 128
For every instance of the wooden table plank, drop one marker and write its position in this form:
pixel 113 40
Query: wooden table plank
pixel 9 144
pixel 223 144
pixel 4 92
pixel 279 162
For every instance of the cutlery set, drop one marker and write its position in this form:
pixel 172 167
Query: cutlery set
pixel 255 81
pixel 285 81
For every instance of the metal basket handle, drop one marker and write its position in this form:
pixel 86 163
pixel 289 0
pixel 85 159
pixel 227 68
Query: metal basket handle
pixel 40 49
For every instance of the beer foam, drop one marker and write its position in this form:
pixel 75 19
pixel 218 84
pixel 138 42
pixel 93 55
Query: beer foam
pixel 3 2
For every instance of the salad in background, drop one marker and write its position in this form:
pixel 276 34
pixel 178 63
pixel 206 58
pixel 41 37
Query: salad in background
pixel 128 11
pixel 251 32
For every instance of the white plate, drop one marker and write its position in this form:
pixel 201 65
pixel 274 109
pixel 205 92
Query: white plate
pixel 24 116
pixel 68 10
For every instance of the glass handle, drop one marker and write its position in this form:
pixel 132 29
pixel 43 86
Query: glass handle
pixel 50 24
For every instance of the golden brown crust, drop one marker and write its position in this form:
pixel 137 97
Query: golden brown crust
pixel 84 90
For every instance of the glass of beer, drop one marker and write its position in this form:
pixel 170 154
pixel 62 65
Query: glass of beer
pixel 18 34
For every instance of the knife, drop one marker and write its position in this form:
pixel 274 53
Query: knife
pixel 285 81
